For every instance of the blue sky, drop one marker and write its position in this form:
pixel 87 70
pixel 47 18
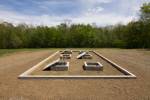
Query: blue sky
pixel 54 12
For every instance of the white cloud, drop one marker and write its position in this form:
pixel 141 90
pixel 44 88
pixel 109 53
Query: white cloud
pixel 100 19
pixel 90 14
pixel 95 10
pixel 93 2
pixel 17 18
pixel 103 19
pixel 131 6
pixel 92 6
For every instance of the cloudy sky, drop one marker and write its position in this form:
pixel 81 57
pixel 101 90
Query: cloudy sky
pixel 54 12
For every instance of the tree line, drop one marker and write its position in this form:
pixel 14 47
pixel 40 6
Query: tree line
pixel 136 34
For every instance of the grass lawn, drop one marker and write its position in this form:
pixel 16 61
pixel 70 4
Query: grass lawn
pixel 9 51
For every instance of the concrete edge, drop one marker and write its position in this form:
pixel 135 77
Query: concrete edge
pixel 77 77
pixel 115 65
pixel 128 75
pixel 37 65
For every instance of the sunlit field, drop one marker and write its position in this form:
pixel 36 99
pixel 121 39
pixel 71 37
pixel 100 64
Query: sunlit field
pixel 14 63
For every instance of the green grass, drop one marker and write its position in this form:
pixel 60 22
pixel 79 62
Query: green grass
pixel 9 51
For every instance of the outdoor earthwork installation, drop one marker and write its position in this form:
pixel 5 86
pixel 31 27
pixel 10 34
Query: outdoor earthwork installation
pixel 31 74
pixel 74 49
pixel 77 64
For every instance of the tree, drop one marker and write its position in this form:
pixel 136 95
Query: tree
pixel 145 21
pixel 136 34
pixel 145 13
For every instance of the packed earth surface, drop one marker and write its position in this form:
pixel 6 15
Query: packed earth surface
pixel 76 66
pixel 137 61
